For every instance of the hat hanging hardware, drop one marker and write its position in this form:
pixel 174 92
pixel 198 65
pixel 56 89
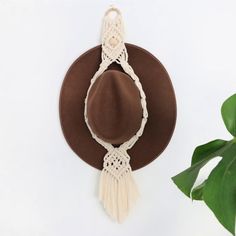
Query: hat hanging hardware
pixel 117 189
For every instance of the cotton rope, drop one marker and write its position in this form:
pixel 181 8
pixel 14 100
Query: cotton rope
pixel 117 189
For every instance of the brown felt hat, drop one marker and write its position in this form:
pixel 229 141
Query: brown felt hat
pixel 114 110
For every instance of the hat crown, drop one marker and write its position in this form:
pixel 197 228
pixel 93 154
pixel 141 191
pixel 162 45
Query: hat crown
pixel 114 109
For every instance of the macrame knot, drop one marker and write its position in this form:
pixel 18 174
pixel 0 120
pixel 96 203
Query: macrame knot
pixel 113 47
pixel 116 162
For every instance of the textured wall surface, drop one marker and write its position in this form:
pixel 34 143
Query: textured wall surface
pixel 45 189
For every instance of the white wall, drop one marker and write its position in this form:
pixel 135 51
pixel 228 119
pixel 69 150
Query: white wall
pixel 45 189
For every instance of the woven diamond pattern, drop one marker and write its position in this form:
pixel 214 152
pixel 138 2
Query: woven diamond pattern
pixel 116 162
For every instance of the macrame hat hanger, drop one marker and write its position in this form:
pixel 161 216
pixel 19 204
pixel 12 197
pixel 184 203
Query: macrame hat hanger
pixel 117 112
pixel 117 188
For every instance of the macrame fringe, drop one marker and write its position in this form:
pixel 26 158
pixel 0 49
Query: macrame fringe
pixel 117 195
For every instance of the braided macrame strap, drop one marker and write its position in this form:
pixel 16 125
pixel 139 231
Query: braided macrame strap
pixel 117 189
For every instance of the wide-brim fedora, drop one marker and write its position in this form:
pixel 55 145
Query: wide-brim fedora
pixel 160 98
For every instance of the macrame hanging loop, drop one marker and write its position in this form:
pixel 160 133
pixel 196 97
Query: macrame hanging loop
pixel 117 189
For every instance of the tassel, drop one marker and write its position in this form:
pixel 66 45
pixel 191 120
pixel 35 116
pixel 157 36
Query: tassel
pixel 117 189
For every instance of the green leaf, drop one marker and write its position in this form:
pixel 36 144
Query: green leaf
pixel 197 192
pixel 202 154
pixel 220 189
pixel 228 111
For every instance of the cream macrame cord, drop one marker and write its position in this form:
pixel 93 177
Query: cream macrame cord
pixel 117 189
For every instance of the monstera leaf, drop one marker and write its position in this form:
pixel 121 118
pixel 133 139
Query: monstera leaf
pixel 218 191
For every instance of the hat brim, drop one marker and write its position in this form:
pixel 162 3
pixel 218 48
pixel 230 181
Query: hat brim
pixel 161 105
